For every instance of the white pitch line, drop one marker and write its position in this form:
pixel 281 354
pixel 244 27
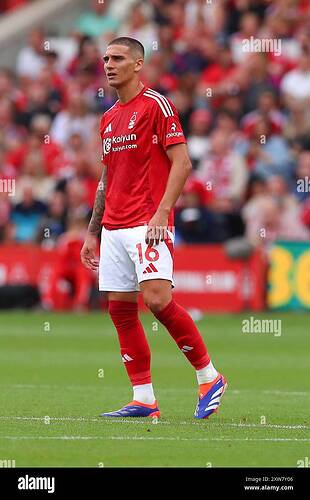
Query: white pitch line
pixel 48 386
pixel 42 419
pixel 161 422
pixel 285 393
pixel 142 438
pixel 274 392
pixel 269 426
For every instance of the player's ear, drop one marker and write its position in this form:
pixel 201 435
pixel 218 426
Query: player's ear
pixel 139 64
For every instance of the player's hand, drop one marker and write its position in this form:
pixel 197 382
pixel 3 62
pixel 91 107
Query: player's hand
pixel 157 229
pixel 88 253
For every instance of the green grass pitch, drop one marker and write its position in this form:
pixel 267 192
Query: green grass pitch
pixel 58 372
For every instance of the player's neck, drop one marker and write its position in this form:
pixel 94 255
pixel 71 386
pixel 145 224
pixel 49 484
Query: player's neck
pixel 127 93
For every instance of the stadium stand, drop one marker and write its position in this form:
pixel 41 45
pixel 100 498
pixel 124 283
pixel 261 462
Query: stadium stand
pixel 246 115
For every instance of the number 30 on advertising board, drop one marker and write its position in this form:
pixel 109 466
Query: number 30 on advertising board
pixel 289 278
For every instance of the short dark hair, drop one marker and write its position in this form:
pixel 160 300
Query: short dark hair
pixel 132 43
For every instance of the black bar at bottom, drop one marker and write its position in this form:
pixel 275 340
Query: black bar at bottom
pixel 105 481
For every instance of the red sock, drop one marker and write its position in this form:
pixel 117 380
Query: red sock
pixel 135 350
pixel 185 333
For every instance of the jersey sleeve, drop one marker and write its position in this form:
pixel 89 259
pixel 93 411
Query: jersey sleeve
pixel 167 124
pixel 101 129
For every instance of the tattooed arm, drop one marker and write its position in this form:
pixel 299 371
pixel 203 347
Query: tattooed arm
pixel 95 221
pixel 89 248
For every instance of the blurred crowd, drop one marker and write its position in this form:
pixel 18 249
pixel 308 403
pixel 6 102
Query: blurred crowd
pixel 246 116
pixel 8 5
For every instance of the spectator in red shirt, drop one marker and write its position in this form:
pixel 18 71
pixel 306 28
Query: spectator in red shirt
pixel 7 5
pixel 70 283
pixel 220 77
pixel 266 106
pixel 39 143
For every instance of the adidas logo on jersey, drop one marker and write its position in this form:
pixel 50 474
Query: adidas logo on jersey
pixel 108 129
pixel 150 269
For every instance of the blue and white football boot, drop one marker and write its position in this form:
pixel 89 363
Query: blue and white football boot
pixel 135 409
pixel 210 399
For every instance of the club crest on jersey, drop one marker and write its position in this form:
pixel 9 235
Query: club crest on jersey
pixel 107 143
pixel 132 121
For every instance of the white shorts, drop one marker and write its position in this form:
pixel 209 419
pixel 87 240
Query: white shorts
pixel 126 260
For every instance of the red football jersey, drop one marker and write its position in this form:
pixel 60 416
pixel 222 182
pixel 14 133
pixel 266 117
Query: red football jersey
pixel 135 137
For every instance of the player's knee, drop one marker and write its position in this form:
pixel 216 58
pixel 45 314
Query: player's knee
pixel 154 302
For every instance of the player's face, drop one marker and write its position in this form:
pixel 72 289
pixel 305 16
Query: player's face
pixel 120 65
